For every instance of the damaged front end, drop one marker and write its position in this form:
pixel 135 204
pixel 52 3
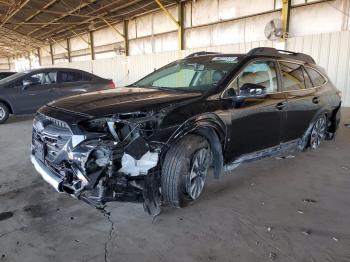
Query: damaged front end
pixel 101 160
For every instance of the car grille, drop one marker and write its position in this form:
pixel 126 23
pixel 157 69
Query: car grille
pixel 54 133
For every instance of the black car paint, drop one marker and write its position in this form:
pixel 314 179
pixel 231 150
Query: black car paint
pixel 26 100
pixel 237 129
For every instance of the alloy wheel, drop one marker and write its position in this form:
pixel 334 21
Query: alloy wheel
pixel 198 173
pixel 2 113
pixel 318 132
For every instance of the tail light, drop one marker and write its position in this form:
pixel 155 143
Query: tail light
pixel 111 85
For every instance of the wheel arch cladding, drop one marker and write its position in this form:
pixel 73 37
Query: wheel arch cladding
pixel 215 146
pixel 7 104
pixel 210 127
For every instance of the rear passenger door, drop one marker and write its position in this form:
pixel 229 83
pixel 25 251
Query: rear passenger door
pixel 302 100
pixel 71 83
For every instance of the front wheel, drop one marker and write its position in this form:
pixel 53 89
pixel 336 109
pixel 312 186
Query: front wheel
pixel 185 170
pixel 4 113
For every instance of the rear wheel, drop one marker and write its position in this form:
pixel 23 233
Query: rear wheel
pixel 185 170
pixel 318 132
pixel 4 113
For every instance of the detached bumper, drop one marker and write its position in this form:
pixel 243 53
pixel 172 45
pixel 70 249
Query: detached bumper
pixel 47 174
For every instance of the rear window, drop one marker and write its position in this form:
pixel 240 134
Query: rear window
pixel 292 76
pixel 316 78
pixel 70 76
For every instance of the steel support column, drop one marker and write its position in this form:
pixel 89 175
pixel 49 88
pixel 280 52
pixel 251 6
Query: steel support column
pixel 51 54
pixel 286 7
pixel 126 36
pixel 91 45
pixel 39 56
pixel 68 51
pixel 179 23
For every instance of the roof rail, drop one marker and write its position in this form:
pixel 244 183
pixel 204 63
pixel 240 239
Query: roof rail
pixel 269 51
pixel 201 53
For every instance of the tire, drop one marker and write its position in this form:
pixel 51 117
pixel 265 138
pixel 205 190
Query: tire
pixel 182 181
pixel 4 113
pixel 318 132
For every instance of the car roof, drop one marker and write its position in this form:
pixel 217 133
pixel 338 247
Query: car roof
pixel 261 52
pixel 55 69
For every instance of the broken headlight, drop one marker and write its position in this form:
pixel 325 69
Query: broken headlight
pixel 124 127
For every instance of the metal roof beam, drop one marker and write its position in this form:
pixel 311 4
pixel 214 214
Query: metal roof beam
pixel 11 14
pixel 36 13
pixel 63 16
pixel 59 30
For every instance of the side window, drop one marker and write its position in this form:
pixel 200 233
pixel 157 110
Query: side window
pixel 292 76
pixel 35 79
pixel 260 73
pixel 87 77
pixel 50 78
pixel 308 83
pixel 316 78
pixel 70 76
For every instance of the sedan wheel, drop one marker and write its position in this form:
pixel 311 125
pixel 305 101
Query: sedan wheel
pixel 318 132
pixel 4 113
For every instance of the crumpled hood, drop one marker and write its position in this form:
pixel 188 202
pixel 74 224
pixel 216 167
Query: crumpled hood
pixel 121 100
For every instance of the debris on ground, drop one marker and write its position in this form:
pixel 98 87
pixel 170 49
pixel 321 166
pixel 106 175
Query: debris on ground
pixel 285 157
pixel 300 211
pixel 335 239
pixel 306 232
pixel 269 229
pixel 309 200
pixel 272 255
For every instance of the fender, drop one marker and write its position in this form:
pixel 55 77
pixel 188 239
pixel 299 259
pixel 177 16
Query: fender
pixel 213 129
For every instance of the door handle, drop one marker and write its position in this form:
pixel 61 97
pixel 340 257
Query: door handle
pixel 280 105
pixel 316 100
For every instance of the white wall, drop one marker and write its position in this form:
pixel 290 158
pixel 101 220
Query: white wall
pixel 330 50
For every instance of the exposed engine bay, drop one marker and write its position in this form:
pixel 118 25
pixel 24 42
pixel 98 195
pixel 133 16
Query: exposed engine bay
pixel 111 159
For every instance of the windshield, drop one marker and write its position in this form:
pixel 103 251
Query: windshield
pixel 200 73
pixel 11 77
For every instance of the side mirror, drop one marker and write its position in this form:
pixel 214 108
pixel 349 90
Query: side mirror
pixel 26 83
pixel 249 90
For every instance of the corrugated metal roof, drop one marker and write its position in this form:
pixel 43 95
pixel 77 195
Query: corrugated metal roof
pixel 27 24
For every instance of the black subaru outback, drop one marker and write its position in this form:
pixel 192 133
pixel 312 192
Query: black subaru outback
pixel 154 141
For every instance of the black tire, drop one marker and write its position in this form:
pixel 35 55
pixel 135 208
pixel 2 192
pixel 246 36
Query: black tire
pixel 4 113
pixel 179 165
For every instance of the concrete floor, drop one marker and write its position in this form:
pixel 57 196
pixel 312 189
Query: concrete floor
pixel 256 213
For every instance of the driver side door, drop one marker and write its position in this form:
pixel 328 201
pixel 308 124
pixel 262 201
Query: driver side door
pixel 256 121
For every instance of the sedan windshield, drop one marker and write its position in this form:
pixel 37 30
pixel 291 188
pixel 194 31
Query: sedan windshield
pixel 200 73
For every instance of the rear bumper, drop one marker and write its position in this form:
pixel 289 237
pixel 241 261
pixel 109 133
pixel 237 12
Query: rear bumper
pixel 47 174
